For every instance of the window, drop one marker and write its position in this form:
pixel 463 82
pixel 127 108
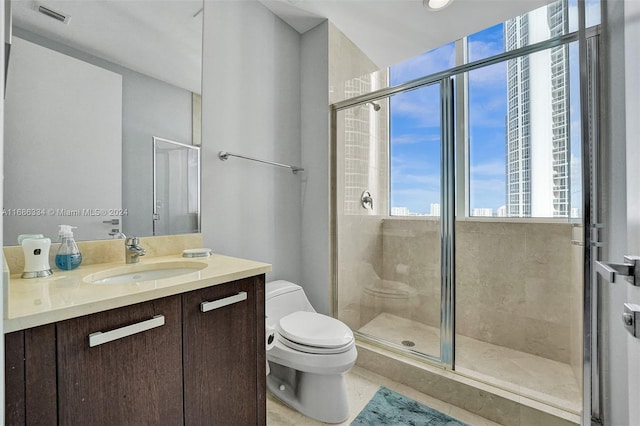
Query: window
pixel 523 122
pixel 431 62
pixel 490 140
pixel 537 135
pixel 415 152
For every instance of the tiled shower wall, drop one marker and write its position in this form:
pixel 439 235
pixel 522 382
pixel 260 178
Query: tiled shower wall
pixel 360 257
pixel 518 284
pixel 515 286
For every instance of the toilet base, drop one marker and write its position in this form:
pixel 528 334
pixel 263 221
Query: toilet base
pixel 320 396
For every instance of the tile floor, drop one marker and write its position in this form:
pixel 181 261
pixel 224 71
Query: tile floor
pixel 538 378
pixel 361 386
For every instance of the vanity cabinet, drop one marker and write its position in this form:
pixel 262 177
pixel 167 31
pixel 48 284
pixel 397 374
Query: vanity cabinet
pixel 224 380
pixel 195 358
pixel 132 380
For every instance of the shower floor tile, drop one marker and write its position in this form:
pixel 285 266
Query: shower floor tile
pixel 535 377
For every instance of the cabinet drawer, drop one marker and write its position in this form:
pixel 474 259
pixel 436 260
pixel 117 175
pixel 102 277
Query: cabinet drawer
pixel 122 366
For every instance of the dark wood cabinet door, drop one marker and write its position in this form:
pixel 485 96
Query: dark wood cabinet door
pixel 132 380
pixel 14 379
pixel 224 378
pixel 30 377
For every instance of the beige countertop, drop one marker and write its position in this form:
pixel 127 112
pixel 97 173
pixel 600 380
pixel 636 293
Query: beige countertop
pixel 69 294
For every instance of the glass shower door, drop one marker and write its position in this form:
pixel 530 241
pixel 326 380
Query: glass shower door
pixel 389 159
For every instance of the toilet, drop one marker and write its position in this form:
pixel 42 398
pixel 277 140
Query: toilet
pixel 311 353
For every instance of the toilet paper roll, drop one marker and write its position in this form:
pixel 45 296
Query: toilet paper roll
pixel 270 337
pixel 270 342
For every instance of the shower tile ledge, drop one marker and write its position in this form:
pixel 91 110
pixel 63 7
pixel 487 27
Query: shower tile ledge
pixel 472 395
pixel 526 375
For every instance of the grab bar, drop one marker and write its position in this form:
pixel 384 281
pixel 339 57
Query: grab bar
pixel 224 155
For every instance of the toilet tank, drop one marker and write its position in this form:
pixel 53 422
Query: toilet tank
pixel 283 298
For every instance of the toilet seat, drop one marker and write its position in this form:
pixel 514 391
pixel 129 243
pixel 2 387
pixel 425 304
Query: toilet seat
pixel 313 349
pixel 314 333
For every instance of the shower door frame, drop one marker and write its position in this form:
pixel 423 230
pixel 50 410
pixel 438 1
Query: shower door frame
pixel 588 39
pixel 447 221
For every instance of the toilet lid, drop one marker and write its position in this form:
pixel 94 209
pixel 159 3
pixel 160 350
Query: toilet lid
pixel 313 329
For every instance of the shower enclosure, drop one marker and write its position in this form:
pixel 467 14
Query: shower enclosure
pixel 495 294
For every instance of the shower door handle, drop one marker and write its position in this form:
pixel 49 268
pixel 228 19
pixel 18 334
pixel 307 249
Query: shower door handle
pixel 630 269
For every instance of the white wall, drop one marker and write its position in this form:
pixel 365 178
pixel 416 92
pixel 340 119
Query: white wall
pixel 251 106
pixel 315 157
pixel 613 336
pixel 632 107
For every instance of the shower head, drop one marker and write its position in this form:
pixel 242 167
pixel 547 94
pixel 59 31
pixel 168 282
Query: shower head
pixel 376 107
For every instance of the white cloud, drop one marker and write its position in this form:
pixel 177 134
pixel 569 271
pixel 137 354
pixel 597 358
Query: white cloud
pixel 425 64
pixel 425 181
pixel 493 75
pixel 416 199
pixel 482 49
pixel 487 193
pixel 421 105
pixel 488 113
pixel 409 139
pixel 415 164
pixel 495 168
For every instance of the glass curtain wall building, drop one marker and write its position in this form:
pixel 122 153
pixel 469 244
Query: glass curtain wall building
pixel 538 166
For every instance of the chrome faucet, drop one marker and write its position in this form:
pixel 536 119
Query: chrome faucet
pixel 116 234
pixel 132 250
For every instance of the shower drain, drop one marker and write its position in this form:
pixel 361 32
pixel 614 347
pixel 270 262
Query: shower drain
pixel 408 343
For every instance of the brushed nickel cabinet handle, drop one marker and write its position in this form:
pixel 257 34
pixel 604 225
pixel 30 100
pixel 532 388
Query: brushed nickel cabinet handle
pixel 209 306
pixel 99 338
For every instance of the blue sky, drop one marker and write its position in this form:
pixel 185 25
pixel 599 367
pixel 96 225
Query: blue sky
pixel 415 127
pixel 415 123
pixel 415 132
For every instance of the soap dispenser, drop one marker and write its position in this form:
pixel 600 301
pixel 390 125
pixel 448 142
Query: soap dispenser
pixel 68 256
pixel 36 255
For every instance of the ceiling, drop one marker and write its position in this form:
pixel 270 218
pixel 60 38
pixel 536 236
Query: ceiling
pixel 160 38
pixel 163 38
pixel 390 31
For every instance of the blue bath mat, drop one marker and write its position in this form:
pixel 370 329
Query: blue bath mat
pixel 390 408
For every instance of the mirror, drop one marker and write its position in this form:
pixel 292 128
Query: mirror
pixel 89 86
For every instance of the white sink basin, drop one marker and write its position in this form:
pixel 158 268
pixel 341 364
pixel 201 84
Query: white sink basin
pixel 144 272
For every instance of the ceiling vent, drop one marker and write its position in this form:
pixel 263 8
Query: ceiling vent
pixel 55 15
